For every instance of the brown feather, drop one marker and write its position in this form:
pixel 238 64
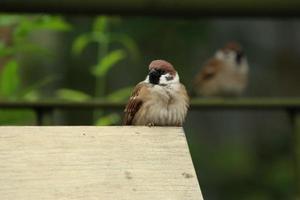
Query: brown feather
pixel 232 46
pixel 208 71
pixel 164 65
pixel 134 103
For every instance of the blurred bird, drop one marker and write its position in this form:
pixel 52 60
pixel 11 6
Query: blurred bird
pixel 226 74
pixel 159 100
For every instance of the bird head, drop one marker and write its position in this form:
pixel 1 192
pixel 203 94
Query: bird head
pixel 162 73
pixel 231 53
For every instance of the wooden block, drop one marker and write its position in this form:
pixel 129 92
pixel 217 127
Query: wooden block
pixel 105 163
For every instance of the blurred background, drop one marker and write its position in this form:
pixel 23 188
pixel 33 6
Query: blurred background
pixel 245 154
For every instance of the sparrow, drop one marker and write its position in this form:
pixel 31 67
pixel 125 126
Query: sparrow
pixel 159 100
pixel 226 74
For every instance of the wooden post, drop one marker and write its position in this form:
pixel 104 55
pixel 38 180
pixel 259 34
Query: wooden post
pixel 39 115
pixel 107 163
pixel 42 114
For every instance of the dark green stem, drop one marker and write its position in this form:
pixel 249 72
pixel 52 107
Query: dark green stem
pixel 100 88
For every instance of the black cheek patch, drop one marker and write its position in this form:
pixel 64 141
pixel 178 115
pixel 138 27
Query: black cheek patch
pixel 169 78
pixel 154 78
pixel 239 57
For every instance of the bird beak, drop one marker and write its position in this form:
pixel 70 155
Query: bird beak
pixel 154 76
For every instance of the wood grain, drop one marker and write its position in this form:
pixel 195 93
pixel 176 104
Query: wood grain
pixel 107 163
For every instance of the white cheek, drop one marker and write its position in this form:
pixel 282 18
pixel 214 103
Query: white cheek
pixel 163 79
pixel 229 57
pixel 220 55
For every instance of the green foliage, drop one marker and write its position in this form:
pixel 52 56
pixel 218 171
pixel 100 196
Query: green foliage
pixel 8 20
pixel 107 59
pixel 119 95
pixel 80 43
pixel 100 24
pixel 23 26
pixel 37 23
pixel 9 80
pixel 10 84
pixel 128 43
pixel 3 50
pixel 72 95
pixel 108 120
pixel 107 62
pixel 11 87
pixel 31 93
pixel 20 117
pixel 280 175
pixel 103 37
pixel 53 23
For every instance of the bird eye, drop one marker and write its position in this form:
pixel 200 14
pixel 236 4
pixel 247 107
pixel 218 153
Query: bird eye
pixel 169 78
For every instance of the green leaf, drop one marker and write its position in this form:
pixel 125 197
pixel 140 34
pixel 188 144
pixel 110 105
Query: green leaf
pixel 115 20
pixel 108 62
pixel 100 37
pixel 29 24
pixel 17 117
pixel 128 43
pixel 31 93
pixel 108 120
pixel 120 95
pixel 8 20
pixel 72 95
pixel 55 23
pixel 80 43
pixel 24 47
pixel 9 79
pixel 4 50
pixel 100 24
pixel 25 26
pixel 2 44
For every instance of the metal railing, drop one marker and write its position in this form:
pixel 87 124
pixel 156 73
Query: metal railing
pixel 42 108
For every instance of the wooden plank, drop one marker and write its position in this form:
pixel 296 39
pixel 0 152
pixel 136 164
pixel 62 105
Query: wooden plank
pixel 107 163
pixel 187 8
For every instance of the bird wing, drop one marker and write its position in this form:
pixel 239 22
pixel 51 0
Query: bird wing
pixel 135 102
pixel 208 71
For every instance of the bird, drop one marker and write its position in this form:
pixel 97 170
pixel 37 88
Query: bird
pixel 159 100
pixel 224 75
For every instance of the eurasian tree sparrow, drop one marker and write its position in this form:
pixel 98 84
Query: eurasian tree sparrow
pixel 159 100
pixel 226 74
